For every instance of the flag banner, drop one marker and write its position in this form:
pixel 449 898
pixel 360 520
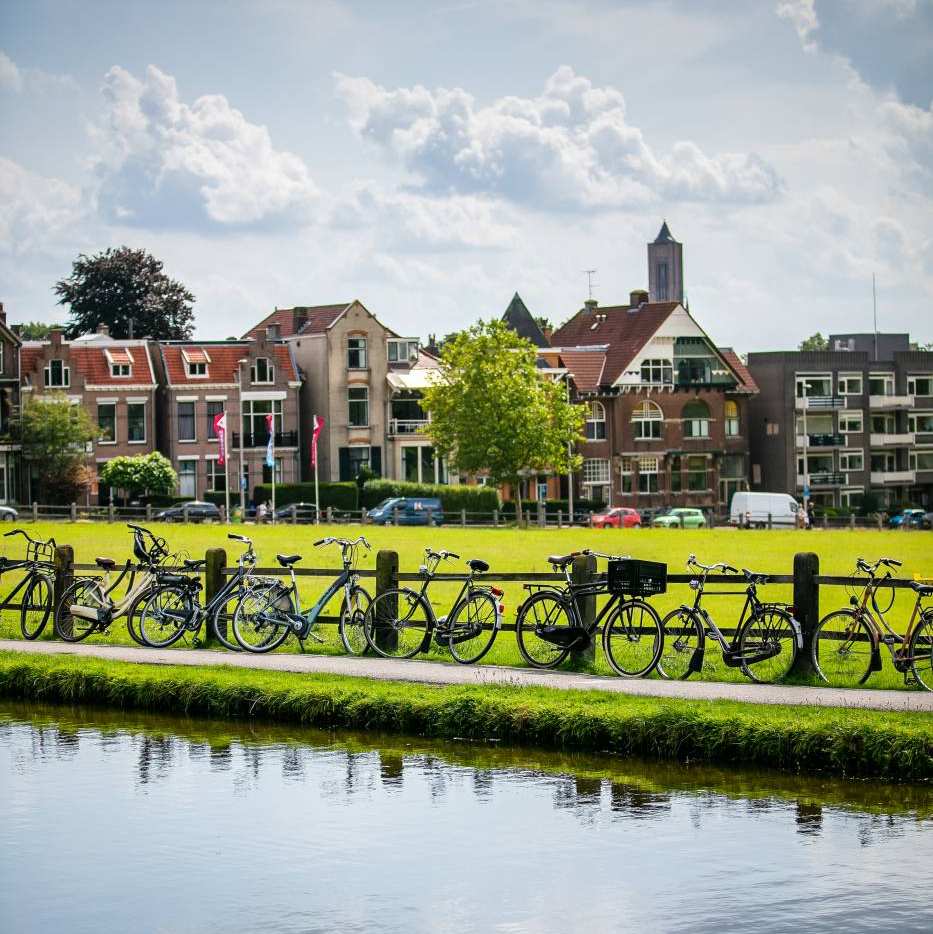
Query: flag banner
pixel 220 430
pixel 316 425
pixel 270 447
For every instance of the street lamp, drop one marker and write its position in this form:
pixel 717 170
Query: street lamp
pixel 806 446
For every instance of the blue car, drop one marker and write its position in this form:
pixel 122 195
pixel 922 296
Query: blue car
pixel 410 510
pixel 909 519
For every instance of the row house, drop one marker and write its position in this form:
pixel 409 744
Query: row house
pixel 113 379
pixel 248 380
pixel 9 408
pixel 851 420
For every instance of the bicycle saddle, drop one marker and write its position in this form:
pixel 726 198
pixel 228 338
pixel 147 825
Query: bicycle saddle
pixel 475 564
pixel 193 564
pixel 754 578
pixel 561 561
pixel 106 564
pixel 287 560
pixel 925 590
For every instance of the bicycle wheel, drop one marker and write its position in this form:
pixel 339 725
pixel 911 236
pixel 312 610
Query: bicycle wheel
pixel 544 617
pixel 683 638
pixel 769 630
pixel 921 651
pixel 221 621
pixel 165 616
pixel 36 606
pixel 398 623
pixel 842 649
pixel 133 617
pixel 352 626
pixel 262 619
pixel 85 592
pixel 633 639
pixel 471 627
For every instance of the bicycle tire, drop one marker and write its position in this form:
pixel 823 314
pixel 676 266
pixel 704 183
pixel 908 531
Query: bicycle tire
pixel 262 614
pixel 921 651
pixel 132 620
pixel 768 626
pixel 398 623
pixel 352 627
pixel 843 645
pixel 543 610
pixel 72 628
pixel 883 585
pixel 684 644
pixel 630 651
pixel 164 618
pixel 470 638
pixel 36 608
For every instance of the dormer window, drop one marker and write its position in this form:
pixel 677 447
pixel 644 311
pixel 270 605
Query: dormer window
pixel 196 361
pixel 121 362
pixel 402 349
pixel 262 371
pixel 197 369
pixel 57 374
pixel 121 370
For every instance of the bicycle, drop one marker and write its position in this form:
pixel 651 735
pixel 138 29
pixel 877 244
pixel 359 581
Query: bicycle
pixel 264 619
pixel 400 622
pixel 764 645
pixel 87 606
pixel 847 643
pixel 173 608
pixel 550 622
pixel 37 584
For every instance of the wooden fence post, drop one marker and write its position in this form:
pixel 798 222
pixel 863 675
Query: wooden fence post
pixel 386 580
pixel 110 512
pixel 582 572
pixel 495 518
pixel 216 561
pixel 330 515
pixel 148 512
pixel 806 605
pixel 35 512
pixel 463 517
pixel 64 576
pixel 74 512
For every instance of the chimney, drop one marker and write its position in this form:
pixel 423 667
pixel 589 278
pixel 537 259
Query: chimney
pixel 637 297
pixel 590 305
pixel 55 336
pixel 2 314
pixel 103 330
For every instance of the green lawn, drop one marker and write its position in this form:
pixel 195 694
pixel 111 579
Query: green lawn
pixel 510 550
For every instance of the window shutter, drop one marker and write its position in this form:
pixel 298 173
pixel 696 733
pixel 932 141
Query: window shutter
pixel 345 464
pixel 375 460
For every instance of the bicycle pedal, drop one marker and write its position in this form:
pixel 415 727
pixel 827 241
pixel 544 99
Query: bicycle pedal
pixel 910 681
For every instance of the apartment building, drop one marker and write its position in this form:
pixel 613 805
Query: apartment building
pixel 248 380
pixel 113 379
pixel 10 451
pixel 856 418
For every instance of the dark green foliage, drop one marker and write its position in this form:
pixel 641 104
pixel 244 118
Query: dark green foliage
pixel 814 342
pixel 552 507
pixel 31 330
pixel 338 495
pixel 453 498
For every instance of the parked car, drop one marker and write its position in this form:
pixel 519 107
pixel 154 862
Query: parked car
pixel 680 518
pixel 303 512
pixel 410 510
pixel 757 509
pixel 8 514
pixel 910 519
pixel 197 511
pixel 616 517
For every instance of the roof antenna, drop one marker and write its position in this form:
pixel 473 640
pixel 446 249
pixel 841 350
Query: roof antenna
pixel 589 281
pixel 874 307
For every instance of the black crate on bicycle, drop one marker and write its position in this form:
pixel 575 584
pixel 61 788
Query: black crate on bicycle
pixel 635 578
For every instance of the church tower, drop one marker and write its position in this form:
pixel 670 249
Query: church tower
pixel 665 268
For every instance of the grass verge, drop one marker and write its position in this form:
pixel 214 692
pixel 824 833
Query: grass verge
pixel 852 743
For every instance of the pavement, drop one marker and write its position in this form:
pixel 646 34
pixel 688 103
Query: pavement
pixel 425 672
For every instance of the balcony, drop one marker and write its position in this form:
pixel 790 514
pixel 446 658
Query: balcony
pixel 283 439
pixel 821 441
pixel 822 479
pixel 407 426
pixel 820 403
pixel 884 440
pixel 890 402
pixel 893 477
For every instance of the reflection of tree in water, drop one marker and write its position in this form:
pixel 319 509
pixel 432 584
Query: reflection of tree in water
pixel 221 757
pixel 638 802
pixel 877 828
pixel 482 785
pixel 155 757
pixel 809 817
pixel 358 771
pixel 391 767
pixel 65 743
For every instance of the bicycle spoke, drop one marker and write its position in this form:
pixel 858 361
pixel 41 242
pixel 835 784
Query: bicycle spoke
pixel 842 649
pixel 472 628
pixel 632 639
pixel 769 645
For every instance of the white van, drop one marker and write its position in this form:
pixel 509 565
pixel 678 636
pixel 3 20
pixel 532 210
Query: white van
pixel 754 508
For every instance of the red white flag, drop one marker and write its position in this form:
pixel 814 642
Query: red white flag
pixel 316 425
pixel 270 447
pixel 220 429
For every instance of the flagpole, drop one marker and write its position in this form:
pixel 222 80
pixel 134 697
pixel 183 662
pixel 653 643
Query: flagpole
pixel 226 469
pixel 272 448
pixel 317 499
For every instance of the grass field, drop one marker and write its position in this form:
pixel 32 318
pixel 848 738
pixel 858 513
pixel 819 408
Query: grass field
pixel 512 550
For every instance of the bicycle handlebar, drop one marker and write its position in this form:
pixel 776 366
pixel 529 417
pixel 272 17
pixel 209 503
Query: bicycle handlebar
pixel 722 566
pixel 29 538
pixel 862 565
pixel 441 555
pixel 600 554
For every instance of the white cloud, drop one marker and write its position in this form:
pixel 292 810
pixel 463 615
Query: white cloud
pixel 164 163
pixel 36 209
pixel 569 149
pixel 10 77
pixel 16 79
pixel 802 16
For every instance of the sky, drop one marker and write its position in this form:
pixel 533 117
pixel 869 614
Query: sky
pixel 432 158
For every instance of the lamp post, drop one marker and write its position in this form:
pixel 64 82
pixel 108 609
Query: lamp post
pixel 806 447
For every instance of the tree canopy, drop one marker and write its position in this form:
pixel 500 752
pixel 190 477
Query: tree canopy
pixel 146 473
pixel 814 342
pixel 492 409
pixel 31 330
pixel 128 291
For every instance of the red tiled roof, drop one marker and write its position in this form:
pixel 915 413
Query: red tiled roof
pixel 586 367
pixel 119 355
pixel 746 380
pixel 91 362
pixel 312 319
pixel 195 355
pixel 224 362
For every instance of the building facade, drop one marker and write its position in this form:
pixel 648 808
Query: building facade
pixel 10 449
pixel 852 420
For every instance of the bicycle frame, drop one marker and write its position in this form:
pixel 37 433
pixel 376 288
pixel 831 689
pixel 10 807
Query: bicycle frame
pixel 439 623
pixel 568 596
pixel 109 609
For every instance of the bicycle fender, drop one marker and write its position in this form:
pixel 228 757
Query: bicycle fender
pixel 696 660
pixel 875 659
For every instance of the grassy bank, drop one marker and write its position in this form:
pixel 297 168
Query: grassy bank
pixel 853 743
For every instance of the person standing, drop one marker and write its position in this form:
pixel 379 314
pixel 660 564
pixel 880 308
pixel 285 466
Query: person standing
pixel 261 512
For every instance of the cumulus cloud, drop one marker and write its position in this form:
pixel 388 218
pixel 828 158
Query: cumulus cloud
pixel 35 208
pixel 10 77
pixel 571 148
pixel 163 163
pixel 801 14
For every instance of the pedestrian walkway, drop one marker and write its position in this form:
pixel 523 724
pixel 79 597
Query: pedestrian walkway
pixel 384 669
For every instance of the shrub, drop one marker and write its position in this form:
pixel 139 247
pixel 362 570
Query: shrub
pixel 337 495
pixel 453 498
pixel 552 507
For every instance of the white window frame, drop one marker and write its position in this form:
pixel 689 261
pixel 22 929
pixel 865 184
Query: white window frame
pixel 649 467
pixel 660 371
pixel 732 423
pixel 844 458
pixel 912 422
pixel 351 401
pixel 801 378
pixel 595 416
pixel 145 437
pixel 888 383
pixel 408 346
pixel 121 370
pixel 699 426
pixel 194 420
pixel 851 414
pixel 197 369
pixel 912 384
pixel 843 381
pixel 183 462
pixel 917 452
pixel 362 349
pixel 111 403
pixel 66 375
pixel 254 372
pixel 645 416
pixel 596 471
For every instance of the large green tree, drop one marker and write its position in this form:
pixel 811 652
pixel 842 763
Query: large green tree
pixel 493 410
pixel 32 330
pixel 814 342
pixel 128 291
pixel 54 434
pixel 146 473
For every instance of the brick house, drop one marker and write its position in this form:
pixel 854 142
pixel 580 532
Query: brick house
pixel 10 456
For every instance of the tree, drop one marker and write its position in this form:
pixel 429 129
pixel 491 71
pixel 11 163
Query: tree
pixel 492 409
pixel 32 330
pixel 814 342
pixel 54 433
pixel 126 290
pixel 150 474
pixel 545 324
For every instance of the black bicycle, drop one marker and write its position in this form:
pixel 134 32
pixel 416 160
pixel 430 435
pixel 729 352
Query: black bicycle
pixel 401 622
pixel 764 645
pixel 36 585
pixel 551 623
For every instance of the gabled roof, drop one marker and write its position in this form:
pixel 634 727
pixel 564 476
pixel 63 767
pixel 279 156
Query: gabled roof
pixel 518 318
pixel 585 365
pixel 223 361
pixel 92 361
pixel 302 319
pixel 746 380
pixel 664 235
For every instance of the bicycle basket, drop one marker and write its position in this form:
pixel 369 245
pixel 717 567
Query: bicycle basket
pixel 636 578
pixel 42 552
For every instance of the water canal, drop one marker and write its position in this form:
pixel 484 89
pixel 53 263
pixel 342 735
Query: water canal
pixel 119 822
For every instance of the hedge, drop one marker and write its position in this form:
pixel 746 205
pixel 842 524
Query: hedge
pixel 553 506
pixel 338 495
pixel 453 498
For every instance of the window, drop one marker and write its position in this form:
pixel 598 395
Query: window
pixel 851 460
pixel 850 422
pixel 214 408
pixel 820 384
pixel 595 421
pixel 356 353
pixel 216 477
pixel 136 422
pixel 267 471
pixel 121 370
pixel 197 369
pixel 772 428
pixel 628 468
pixel 677 483
pixel 398 350
pixel 921 460
pixel 850 384
pixel 662 282
pixel 732 467
pixel 647 421
pixel 188 478
pixel 254 420
pixel 881 384
pixel 595 470
pixel 920 422
pixel 107 420
pixel 196 361
pixel 696 474
pixel 920 385
pixel 657 372
pixel 186 427
pixel 696 419
pixel 262 371
pixel 2 370
pixel 731 411
pixel 358 403
pixel 647 475
pixel 57 374
pixel 419 465
pixel 882 424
